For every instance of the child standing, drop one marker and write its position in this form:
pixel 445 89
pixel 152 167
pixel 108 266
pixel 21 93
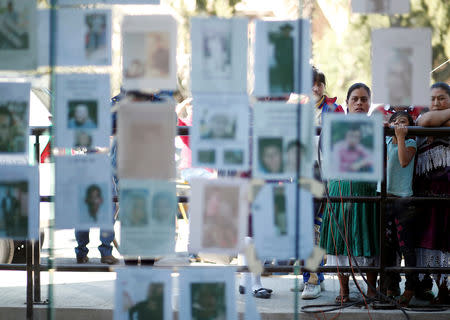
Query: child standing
pixel 400 214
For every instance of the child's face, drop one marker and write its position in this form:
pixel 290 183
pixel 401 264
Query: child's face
pixel 401 121
pixel 353 137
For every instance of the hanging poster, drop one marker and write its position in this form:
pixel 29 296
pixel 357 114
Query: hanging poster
pixel 19 202
pixel 381 6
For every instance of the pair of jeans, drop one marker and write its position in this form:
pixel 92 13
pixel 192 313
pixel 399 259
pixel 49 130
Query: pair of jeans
pixel 82 237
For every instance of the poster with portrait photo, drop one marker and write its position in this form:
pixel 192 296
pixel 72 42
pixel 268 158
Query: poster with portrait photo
pixel 147 215
pixel 276 141
pixel 381 6
pixel 19 202
pixel 207 293
pixel 352 147
pixel 143 293
pixel 18 35
pixel 83 192
pixel 219 55
pixel 146 135
pixel 218 215
pixel 401 65
pixel 83 37
pixel 220 132
pixel 149 52
pixel 282 50
pixel 274 221
pixel 14 122
pixel 83 118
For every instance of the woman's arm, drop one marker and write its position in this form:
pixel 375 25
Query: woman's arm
pixel 405 154
pixel 436 118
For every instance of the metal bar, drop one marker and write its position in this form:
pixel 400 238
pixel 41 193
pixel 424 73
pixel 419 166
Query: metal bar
pixel 29 268
pixel 382 217
pixel 37 247
pixel 414 131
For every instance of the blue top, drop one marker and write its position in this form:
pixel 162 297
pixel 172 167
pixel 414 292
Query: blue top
pixel 399 180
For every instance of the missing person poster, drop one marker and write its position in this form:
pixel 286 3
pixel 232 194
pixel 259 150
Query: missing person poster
pixel 207 293
pixel 83 192
pixel 19 202
pixel 280 150
pixel 220 132
pixel 381 6
pixel 218 215
pixel 146 135
pixel 18 35
pixel 83 118
pixel 282 50
pixel 352 147
pixel 219 55
pixel 279 212
pixel 14 121
pixel 83 37
pixel 147 215
pixel 401 66
pixel 143 293
pixel 149 52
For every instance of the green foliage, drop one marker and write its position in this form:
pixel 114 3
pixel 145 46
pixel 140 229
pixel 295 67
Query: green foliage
pixel 345 58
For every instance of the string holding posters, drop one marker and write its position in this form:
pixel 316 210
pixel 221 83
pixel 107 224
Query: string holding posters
pixel 276 141
pixel 146 135
pixel 147 214
pixel 401 65
pixel 14 121
pixel 207 293
pixel 18 35
pixel 83 118
pixel 83 37
pixel 19 202
pixel 218 215
pixel 352 147
pixel 220 132
pixel 275 220
pixel 219 55
pixel 83 192
pixel 143 293
pixel 381 6
pixel 282 50
pixel 149 52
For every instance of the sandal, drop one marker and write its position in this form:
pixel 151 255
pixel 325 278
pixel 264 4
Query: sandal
pixel 340 299
pixel 262 293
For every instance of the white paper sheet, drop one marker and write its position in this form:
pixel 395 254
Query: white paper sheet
pixel 14 122
pixel 147 214
pixel 218 215
pixel 83 37
pixel 83 118
pixel 19 202
pixel 219 55
pixel 220 132
pixel 401 65
pixel 141 292
pixel 207 293
pixel 83 189
pixel 281 64
pixel 18 35
pixel 146 140
pixel 276 140
pixel 274 222
pixel 352 147
pixel 149 52
pixel 381 6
